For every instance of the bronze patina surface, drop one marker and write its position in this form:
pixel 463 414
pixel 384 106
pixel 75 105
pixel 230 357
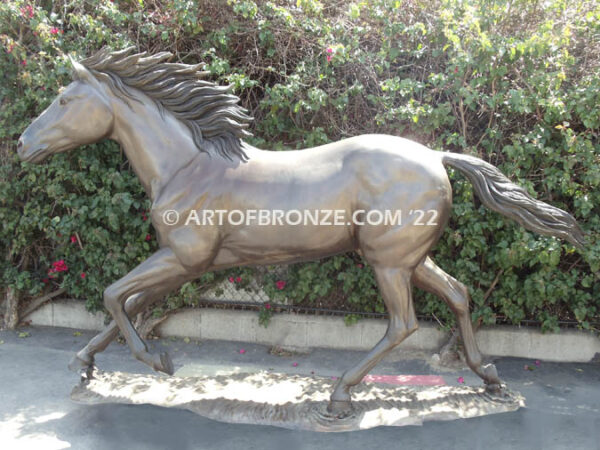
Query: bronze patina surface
pixel 183 137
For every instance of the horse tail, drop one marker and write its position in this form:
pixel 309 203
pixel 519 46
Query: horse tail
pixel 499 194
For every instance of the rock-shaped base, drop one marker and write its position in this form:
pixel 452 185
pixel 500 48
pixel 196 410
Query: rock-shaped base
pixel 294 401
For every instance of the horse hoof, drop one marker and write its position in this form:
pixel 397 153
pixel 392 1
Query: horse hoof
pixel 164 364
pixel 340 408
pixel 495 389
pixel 78 363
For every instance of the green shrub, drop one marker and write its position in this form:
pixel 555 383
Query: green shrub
pixel 512 81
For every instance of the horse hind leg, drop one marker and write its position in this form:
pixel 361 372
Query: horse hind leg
pixel 429 277
pixel 394 285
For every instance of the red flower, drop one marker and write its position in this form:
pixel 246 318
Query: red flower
pixel 231 280
pixel 24 62
pixel 360 266
pixel 82 275
pixel 73 239
pixel 53 30
pixel 59 266
pixel 27 11
pixel 280 284
pixel 456 70
pixel 238 279
pixel 267 306
pixel 328 58
pixel 148 237
pixel 46 280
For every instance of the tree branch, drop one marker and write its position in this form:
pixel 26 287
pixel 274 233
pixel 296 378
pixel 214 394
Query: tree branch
pixel 39 301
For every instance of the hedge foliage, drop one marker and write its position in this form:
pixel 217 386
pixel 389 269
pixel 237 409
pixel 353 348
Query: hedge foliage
pixel 512 81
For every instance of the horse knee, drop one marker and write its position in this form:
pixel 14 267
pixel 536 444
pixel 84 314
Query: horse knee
pixel 111 299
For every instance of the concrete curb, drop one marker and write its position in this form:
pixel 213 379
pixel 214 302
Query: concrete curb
pixel 306 331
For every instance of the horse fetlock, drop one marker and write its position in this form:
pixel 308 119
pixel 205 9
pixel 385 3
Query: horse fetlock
pixel 163 363
pixel 490 375
pixel 80 361
pixel 475 363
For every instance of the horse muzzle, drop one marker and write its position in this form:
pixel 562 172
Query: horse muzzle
pixel 30 151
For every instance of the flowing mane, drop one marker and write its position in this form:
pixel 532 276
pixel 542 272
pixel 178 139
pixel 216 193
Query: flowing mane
pixel 211 112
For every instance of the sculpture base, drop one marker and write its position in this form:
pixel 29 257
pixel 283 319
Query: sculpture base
pixel 293 401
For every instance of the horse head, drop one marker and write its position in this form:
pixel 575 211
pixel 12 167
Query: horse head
pixel 81 114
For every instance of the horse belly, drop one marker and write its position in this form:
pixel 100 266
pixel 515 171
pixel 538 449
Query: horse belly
pixel 288 243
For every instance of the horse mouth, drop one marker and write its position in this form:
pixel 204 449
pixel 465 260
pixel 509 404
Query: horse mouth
pixel 36 155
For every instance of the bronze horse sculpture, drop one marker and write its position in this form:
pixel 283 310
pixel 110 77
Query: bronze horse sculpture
pixel 183 137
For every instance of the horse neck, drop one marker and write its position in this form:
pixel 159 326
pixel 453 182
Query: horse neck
pixel 156 145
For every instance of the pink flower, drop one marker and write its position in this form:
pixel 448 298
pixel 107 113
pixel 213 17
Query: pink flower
pixel 144 217
pixel 82 275
pixel 456 70
pixel 280 284
pixel 360 266
pixel 53 30
pixel 328 58
pixel 267 306
pixel 334 378
pixel 242 351
pixel 295 364
pixel 73 239
pixel 537 362
pixel 231 280
pixel 24 62
pixel 329 50
pixel 46 280
pixel 148 237
pixel 461 380
pixel 238 279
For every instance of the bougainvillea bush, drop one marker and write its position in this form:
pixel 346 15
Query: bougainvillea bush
pixel 514 82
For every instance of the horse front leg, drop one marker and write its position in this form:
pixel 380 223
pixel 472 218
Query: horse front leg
pixel 162 272
pixel 84 359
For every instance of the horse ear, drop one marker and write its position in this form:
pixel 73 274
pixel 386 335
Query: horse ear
pixel 79 72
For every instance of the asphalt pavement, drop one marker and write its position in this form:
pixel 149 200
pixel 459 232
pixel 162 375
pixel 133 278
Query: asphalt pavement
pixel 563 401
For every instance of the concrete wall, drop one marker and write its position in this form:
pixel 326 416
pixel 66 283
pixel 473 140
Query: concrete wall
pixel 306 331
